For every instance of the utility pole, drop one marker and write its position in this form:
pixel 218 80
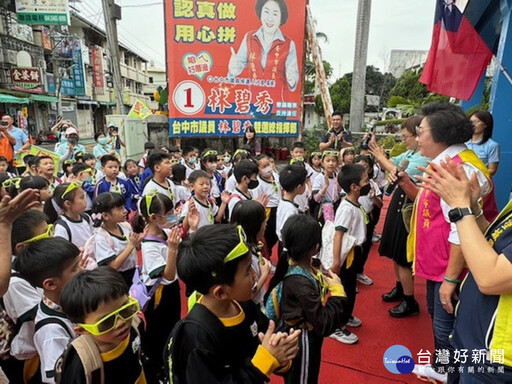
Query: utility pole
pixel 56 71
pixel 112 13
pixel 359 73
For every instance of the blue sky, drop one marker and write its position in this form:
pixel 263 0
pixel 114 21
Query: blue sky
pixel 394 24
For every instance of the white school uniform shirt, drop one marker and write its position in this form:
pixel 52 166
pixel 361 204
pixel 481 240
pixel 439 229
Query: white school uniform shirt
pixel 188 170
pixel 332 194
pixel 51 340
pixel 154 260
pixel 231 184
pixel 315 173
pixel 350 219
pixel 182 193
pixel 207 212
pixel 302 201
pixel 106 250
pixel 470 169
pixel 235 197
pixel 285 209
pixel 169 191
pixel 367 201
pixel 80 230
pixel 21 302
pixel 271 188
pixel 214 187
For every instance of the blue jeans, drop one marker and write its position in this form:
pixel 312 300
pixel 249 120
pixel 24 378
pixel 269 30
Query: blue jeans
pixel 442 326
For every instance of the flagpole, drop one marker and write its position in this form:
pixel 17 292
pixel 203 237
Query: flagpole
pixel 503 70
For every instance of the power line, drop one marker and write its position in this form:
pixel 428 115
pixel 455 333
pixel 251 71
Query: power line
pixel 141 5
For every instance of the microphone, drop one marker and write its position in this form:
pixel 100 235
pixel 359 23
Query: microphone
pixel 401 167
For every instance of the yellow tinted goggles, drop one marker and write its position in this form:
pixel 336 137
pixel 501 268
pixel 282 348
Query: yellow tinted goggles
pixel 330 153
pixel 71 187
pixel 109 322
pixel 46 235
pixel 209 153
pixel 15 181
pixel 241 248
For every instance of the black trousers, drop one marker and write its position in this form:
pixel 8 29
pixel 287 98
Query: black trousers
pixel 159 323
pixel 306 365
pixel 348 278
pixel 367 245
pixel 270 232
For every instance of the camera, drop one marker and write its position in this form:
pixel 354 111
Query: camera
pixel 366 142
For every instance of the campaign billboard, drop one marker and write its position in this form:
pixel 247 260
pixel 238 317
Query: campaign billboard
pixel 231 64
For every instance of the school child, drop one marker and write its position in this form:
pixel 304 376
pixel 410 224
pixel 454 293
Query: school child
pixel 175 152
pixel 115 243
pixel 30 162
pixel 178 177
pixel 106 319
pixel 293 181
pixel 326 190
pixel 4 181
pixel 21 299
pixel 350 221
pixel 371 203
pixel 298 153
pixel 160 164
pixel 4 164
pixel 111 182
pixel 189 160
pixel 84 174
pixel 159 248
pixel 45 167
pixel 209 165
pixel 90 160
pixel 218 340
pixel 315 161
pixel 209 212
pixel 304 303
pixel 133 177
pixel 246 175
pixel 66 175
pixel 226 161
pixel 269 186
pixel 251 216
pixel 347 156
pixel 49 264
pixel 272 159
pixel 148 147
pixel 239 155
pixel 39 183
pixel 73 224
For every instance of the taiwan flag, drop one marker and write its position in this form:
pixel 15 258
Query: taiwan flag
pixel 466 35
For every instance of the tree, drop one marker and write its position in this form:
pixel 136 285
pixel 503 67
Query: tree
pixel 340 95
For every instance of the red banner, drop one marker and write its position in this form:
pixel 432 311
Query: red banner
pixel 233 64
pixel 97 67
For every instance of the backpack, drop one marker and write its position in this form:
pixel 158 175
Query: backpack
pixel 7 333
pixel 272 307
pixel 90 245
pixel 208 322
pixel 89 354
pixel 63 222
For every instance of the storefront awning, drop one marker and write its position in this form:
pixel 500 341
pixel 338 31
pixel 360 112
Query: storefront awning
pixel 49 99
pixel 108 103
pixel 9 99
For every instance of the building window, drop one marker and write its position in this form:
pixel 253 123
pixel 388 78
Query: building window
pixel 150 80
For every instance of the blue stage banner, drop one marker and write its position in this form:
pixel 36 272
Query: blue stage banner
pixel 201 127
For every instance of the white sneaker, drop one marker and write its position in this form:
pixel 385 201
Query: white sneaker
pixel 376 237
pixel 344 336
pixel 427 373
pixel 354 322
pixel 363 279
